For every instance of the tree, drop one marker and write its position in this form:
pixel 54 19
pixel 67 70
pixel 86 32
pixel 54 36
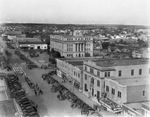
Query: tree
pixel 105 45
pixel 57 54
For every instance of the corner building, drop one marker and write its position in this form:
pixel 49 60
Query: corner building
pixel 96 75
pixel 72 45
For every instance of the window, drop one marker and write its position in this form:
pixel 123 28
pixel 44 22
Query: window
pixel 98 73
pixel 92 80
pixel 91 70
pixel 98 83
pixel 119 94
pixel 143 93
pixel 108 74
pixel 105 74
pixel 107 88
pixel 140 71
pixel 85 87
pixel 92 92
pixel 113 91
pixel 119 73
pixel 98 94
pixel 78 75
pixel 86 68
pixel 85 77
pixel 132 72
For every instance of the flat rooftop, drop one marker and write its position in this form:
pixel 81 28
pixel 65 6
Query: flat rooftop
pixel 81 59
pixel 146 105
pixel 136 107
pixel 28 39
pixel 32 42
pixel 120 62
pixel 75 63
pixel 132 81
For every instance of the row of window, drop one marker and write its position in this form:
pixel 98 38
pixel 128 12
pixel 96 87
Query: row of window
pixel 119 93
pixel 132 72
pixel 69 55
pixel 107 74
pixel 113 91
pixel 76 74
pixel 86 89
pixel 92 80
pixel 88 44
pixel 79 55
pixel 70 49
pixel 69 45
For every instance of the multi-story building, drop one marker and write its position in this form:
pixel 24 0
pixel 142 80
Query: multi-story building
pixel 72 45
pixel 129 90
pixel 96 73
pixel 70 71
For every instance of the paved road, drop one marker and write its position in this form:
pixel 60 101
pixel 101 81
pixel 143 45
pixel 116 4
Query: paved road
pixel 49 105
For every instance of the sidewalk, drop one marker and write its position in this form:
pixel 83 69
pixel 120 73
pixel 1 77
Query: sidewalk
pixel 75 91
pixel 82 96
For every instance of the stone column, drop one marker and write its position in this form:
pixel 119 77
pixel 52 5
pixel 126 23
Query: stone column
pixel 74 47
pixel 83 47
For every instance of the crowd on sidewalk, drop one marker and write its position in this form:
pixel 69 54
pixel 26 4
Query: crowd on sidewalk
pixel 33 86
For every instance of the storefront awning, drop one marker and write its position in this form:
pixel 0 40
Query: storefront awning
pixel 110 105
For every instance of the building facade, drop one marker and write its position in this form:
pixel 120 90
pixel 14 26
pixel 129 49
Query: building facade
pixel 33 45
pixel 69 71
pixel 3 90
pixel 129 90
pixel 146 109
pixel 72 45
pixel 96 73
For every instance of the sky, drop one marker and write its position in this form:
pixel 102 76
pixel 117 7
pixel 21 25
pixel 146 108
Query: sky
pixel 133 12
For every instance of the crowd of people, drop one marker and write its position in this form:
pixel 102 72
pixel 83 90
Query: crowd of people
pixel 33 86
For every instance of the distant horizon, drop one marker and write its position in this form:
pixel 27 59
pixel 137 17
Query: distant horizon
pixel 70 23
pixel 86 12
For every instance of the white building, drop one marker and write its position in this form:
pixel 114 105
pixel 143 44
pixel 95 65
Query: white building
pixel 72 46
pixel 96 73
pixel 33 45
pixel 3 88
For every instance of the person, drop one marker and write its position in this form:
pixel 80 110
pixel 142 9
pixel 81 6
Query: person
pixel 40 92
pixel 35 92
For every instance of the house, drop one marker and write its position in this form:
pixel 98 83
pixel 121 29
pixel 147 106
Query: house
pixel 141 53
